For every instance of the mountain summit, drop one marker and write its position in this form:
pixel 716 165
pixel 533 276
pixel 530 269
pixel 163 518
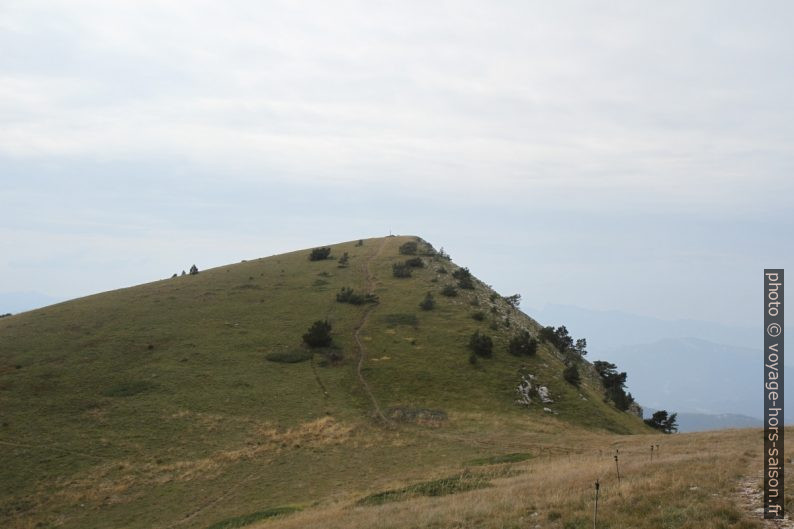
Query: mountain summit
pixel 160 393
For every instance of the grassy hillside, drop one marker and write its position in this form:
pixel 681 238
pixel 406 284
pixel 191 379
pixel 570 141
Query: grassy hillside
pixel 156 406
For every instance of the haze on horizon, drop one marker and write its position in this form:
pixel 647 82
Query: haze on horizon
pixel 634 157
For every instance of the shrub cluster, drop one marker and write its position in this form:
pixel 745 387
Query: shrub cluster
pixel 558 337
pixel 344 260
pixel 614 383
pixel 450 291
pixel 562 340
pixel 428 303
pixel 481 344
pixel 401 270
pixel 409 248
pixel 415 262
pixel 465 280
pixel 348 295
pixel 320 254
pixel 571 375
pixel 522 344
pixel 193 270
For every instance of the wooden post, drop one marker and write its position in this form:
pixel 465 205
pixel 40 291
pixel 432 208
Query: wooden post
pixel 617 467
pixel 595 512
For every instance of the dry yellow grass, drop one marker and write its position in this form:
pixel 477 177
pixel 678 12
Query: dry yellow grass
pixel 691 483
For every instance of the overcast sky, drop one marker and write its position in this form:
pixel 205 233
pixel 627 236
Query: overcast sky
pixel 611 155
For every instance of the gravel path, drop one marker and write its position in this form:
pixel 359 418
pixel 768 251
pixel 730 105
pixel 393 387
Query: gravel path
pixel 751 498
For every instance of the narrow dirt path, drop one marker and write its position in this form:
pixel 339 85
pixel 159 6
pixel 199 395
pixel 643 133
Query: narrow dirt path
pixel 751 497
pixel 360 349
pixel 209 502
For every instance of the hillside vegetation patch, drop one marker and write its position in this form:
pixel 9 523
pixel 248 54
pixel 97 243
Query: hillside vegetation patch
pixel 449 291
pixel 504 458
pixel 401 270
pixel 320 254
pixel 409 248
pixel 247 519
pixel 481 344
pixel 415 262
pixel 437 487
pixel 428 303
pixel 464 277
pixel 290 357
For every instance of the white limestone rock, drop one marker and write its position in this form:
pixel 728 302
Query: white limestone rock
pixel 543 394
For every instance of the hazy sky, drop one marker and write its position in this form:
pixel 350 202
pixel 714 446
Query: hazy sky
pixel 612 155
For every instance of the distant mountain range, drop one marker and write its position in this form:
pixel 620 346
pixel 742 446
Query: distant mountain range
pixel 683 366
pixel 692 375
pixel 608 329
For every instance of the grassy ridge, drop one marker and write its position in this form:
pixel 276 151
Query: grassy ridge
pixel 156 405
pixel 693 482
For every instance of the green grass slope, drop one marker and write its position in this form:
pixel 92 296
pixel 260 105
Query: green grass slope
pixel 156 406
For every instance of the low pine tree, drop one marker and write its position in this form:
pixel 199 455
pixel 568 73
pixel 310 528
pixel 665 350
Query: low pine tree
pixel 522 344
pixel 481 344
pixel 571 375
pixel 428 303
pixel 319 334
